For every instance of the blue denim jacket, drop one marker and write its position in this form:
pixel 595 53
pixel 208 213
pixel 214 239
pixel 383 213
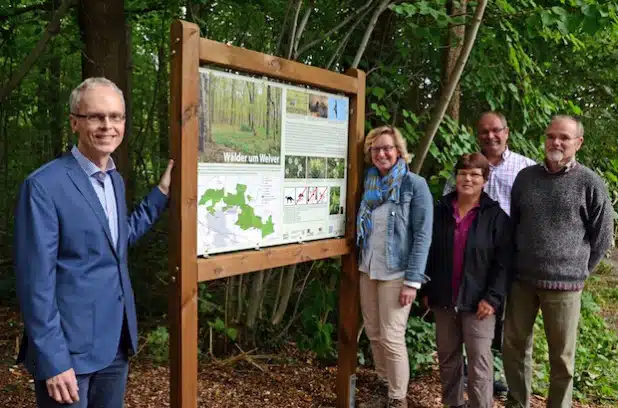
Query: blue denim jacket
pixel 409 228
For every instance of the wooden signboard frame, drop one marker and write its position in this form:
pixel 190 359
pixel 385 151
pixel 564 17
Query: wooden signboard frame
pixel 189 51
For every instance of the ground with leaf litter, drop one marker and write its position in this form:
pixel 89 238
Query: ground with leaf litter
pixel 246 383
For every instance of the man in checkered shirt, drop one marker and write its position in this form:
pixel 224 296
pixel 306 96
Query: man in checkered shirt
pixel 492 135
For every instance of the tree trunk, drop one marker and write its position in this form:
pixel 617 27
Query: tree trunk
pixel 239 298
pixel 103 29
pixel 454 42
pixel 251 116
pixel 124 151
pixel 204 136
pixel 232 100
pixel 213 88
pixel 268 102
pixel 368 31
pixel 447 92
pixel 286 292
pixel 255 297
pixel 299 3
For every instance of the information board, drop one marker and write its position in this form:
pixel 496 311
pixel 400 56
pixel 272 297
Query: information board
pixel 272 162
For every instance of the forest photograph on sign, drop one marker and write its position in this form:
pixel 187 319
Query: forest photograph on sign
pixel 271 163
pixel 239 121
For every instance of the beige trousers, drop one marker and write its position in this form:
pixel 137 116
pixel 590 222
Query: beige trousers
pixel 385 324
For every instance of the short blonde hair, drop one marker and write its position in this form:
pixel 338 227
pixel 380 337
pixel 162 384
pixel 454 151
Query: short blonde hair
pixel 398 140
pixel 76 95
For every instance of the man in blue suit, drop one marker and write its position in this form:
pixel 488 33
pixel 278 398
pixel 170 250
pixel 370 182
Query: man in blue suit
pixel 72 232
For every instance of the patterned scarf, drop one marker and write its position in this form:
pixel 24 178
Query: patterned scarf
pixel 378 189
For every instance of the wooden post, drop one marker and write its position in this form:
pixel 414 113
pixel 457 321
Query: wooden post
pixel 349 290
pixel 186 270
pixel 184 103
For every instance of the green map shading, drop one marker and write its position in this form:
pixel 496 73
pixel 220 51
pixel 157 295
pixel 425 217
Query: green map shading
pixel 246 218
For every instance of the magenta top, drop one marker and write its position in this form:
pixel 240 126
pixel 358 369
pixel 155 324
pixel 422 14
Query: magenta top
pixel 462 226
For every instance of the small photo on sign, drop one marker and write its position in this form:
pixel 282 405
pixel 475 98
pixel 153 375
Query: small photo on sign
pixel 313 195
pixel 337 109
pixel 336 167
pixel 295 167
pixel 289 196
pixel 302 195
pixel 335 201
pixel 297 102
pixel 318 106
pixel 239 120
pixel 316 167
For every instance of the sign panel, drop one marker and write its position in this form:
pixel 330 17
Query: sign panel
pixel 272 163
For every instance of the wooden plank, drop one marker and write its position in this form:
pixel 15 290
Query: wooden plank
pixel 229 56
pixel 349 306
pixel 221 266
pixel 184 86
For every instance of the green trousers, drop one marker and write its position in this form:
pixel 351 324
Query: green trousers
pixel 561 312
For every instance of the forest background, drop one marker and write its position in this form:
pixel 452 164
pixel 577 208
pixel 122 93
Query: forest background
pixel 530 59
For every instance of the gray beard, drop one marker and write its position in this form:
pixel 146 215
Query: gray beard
pixel 554 156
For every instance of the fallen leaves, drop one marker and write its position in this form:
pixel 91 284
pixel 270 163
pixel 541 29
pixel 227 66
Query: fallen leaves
pixel 237 385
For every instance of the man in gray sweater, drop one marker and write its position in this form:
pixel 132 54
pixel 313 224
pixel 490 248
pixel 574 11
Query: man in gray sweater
pixel 563 220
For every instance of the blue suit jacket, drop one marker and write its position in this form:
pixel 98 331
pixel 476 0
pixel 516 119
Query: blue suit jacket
pixel 73 284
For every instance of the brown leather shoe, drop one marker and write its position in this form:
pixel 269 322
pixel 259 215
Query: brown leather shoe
pixel 397 403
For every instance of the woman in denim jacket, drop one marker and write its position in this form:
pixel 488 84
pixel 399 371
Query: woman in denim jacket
pixel 394 234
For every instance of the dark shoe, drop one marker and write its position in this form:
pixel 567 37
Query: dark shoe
pixel 500 388
pixel 397 403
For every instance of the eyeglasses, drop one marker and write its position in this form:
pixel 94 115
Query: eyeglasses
pixel 96 118
pixel 561 138
pixel 486 132
pixel 472 175
pixel 385 149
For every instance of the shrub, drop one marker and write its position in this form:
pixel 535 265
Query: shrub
pixel 421 344
pixel 158 344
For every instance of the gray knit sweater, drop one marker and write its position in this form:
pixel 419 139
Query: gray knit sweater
pixel 563 225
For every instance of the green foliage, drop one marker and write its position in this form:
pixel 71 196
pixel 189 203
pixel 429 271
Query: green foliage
pixel 219 326
pixel 317 167
pixel 452 140
pixel 157 342
pixel 532 59
pixel 421 344
pixel 206 305
pixel 245 140
pixel 317 329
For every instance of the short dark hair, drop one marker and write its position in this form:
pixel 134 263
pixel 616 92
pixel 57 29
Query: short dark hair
pixel 473 161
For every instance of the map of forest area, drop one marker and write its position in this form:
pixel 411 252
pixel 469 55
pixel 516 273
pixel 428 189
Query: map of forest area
pixel 237 212
pixel 246 217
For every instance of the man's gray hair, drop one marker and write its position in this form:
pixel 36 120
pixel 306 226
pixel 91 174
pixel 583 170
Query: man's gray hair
pixel 580 125
pixel 494 113
pixel 76 94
